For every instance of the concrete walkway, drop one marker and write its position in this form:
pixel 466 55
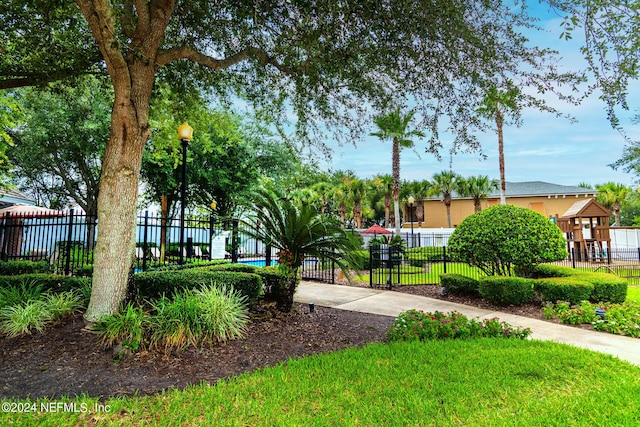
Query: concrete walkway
pixel 388 303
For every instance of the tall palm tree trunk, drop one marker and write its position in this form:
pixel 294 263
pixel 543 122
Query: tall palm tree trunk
pixel 503 182
pixel 395 172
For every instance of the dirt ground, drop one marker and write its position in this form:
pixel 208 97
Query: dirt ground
pixel 66 360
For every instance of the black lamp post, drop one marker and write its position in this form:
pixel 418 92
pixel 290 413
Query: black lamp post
pixel 185 134
pixel 411 201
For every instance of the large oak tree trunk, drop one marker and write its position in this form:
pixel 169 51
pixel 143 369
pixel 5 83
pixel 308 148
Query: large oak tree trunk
pixel 117 200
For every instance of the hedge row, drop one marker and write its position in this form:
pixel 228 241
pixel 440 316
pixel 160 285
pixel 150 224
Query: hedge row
pixel 13 268
pixel 154 284
pixel 550 283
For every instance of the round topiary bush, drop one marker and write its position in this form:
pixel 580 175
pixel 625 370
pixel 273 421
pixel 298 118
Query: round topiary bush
pixel 503 238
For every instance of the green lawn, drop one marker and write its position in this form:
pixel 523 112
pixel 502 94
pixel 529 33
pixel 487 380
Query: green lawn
pixel 487 382
pixel 633 293
pixel 418 275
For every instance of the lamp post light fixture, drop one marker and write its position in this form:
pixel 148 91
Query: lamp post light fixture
pixel 185 134
pixel 411 201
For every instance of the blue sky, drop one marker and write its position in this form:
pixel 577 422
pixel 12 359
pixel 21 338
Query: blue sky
pixel 544 148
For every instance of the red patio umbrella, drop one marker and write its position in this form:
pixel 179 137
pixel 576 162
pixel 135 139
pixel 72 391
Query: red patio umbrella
pixel 29 211
pixel 375 229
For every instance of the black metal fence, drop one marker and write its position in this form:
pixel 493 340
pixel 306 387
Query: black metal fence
pixel 393 266
pixel 67 241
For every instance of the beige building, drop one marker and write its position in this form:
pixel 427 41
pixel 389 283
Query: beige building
pixel 549 199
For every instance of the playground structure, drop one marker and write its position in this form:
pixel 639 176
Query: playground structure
pixel 587 231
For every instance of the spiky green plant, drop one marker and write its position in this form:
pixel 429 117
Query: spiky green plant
pixel 126 327
pixel 63 303
pixel 23 318
pixel 28 290
pixel 298 231
pixel 176 323
pixel 224 311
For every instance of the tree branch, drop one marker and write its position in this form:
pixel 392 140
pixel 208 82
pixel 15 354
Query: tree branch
pixel 187 52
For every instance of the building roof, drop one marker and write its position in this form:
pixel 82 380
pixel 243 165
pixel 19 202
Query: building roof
pixel 10 196
pixel 533 188
pixel 587 208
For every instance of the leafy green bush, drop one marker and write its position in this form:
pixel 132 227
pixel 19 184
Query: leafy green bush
pixel 573 289
pixel 459 284
pixel 13 268
pixel 239 268
pixel 415 325
pixel 571 314
pixel 620 319
pixel 506 290
pixel 504 237
pixel 548 270
pixel 606 287
pixel 272 280
pixel 150 285
pixel 83 271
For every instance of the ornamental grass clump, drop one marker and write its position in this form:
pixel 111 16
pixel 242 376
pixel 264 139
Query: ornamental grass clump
pixel 417 325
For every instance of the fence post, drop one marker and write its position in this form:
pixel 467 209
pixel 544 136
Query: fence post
pixel 267 255
pixel 444 258
pixel 371 266
pixel 234 242
pixel 67 266
pixel 573 257
pixel 144 241
pixel 5 219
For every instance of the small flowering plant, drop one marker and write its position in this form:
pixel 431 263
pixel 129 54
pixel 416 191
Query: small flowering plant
pixel 412 325
pixel 620 319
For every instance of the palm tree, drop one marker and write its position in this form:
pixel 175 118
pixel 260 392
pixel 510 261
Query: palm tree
pixel 393 126
pixel 478 188
pixel 444 184
pixel 494 105
pixel 384 183
pixel 298 231
pixel 612 196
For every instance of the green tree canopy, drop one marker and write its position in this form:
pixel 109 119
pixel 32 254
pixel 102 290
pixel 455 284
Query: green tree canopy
pixel 328 60
pixel 59 142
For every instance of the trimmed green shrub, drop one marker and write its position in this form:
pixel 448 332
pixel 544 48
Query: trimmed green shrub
pixel 459 284
pixel 272 280
pixel 606 287
pixel 239 268
pixel 13 268
pixel 506 290
pixel 504 237
pixel 548 270
pixel 84 271
pixel 150 285
pixel 573 289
